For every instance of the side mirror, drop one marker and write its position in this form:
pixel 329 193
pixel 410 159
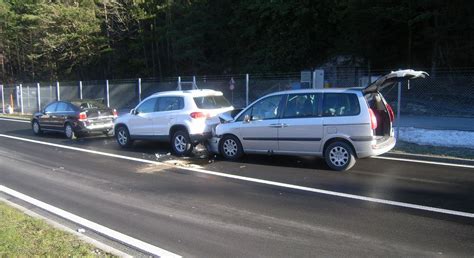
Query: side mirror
pixel 133 111
pixel 246 119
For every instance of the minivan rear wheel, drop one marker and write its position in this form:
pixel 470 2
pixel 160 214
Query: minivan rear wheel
pixel 230 147
pixel 339 156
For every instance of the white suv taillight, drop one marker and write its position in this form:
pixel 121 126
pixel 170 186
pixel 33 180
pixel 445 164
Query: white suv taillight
pixel 373 119
pixel 115 113
pixel 199 115
pixel 82 116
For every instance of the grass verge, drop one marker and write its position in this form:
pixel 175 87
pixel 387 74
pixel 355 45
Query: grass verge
pixel 16 116
pixel 435 151
pixel 24 236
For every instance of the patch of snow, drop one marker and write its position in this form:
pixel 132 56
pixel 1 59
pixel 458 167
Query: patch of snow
pixel 445 138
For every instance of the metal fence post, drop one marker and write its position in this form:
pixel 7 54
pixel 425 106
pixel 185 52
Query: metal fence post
pixel 139 89
pixel 58 93
pixel 80 89
pixel 38 96
pixel 194 83
pixel 28 96
pixel 399 99
pixel 21 98
pixel 246 89
pixel 3 99
pixel 107 92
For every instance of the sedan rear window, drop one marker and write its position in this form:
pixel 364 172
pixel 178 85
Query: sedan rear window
pixel 211 102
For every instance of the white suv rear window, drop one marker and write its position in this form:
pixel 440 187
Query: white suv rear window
pixel 211 102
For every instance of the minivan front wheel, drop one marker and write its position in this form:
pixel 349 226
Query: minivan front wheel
pixel 230 147
pixel 339 156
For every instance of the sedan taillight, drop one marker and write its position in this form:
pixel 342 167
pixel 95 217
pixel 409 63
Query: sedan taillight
pixel 82 116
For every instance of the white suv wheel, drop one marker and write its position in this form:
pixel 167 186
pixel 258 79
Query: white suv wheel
pixel 339 156
pixel 180 143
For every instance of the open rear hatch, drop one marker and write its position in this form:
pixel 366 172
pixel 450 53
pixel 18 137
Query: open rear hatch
pixel 392 78
pixel 382 114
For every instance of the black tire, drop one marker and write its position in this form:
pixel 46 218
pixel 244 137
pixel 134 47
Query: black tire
pixel 69 131
pixel 123 137
pixel 181 143
pixel 35 126
pixel 230 147
pixel 339 156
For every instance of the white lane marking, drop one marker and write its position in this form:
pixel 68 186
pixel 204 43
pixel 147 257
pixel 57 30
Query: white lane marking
pixel 89 224
pixel 375 157
pixel 260 181
pixel 425 162
pixel 15 120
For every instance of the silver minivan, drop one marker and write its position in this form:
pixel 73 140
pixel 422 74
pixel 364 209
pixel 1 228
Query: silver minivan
pixel 339 125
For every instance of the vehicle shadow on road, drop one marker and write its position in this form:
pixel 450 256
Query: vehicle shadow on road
pixel 161 151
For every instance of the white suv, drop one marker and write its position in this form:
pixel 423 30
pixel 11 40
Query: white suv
pixel 184 118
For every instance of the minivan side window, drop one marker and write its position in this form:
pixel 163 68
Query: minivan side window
pixel 267 108
pixel 302 105
pixel 340 104
pixel 169 103
pixel 148 106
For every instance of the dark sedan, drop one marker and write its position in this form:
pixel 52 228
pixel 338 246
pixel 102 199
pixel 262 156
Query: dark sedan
pixel 74 118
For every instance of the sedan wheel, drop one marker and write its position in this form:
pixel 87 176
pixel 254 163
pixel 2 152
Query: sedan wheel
pixel 69 131
pixel 230 147
pixel 36 128
pixel 339 156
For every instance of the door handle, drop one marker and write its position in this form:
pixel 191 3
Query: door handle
pixel 284 125
pixel 276 125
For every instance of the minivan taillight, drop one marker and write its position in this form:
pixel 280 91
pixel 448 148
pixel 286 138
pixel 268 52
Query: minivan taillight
pixel 82 116
pixel 390 112
pixel 199 115
pixel 115 113
pixel 373 119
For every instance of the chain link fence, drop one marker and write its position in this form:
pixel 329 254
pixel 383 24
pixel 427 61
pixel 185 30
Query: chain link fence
pixel 445 94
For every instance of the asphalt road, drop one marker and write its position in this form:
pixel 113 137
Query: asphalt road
pixel 196 214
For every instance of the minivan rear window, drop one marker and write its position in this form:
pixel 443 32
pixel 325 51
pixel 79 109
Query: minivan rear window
pixel 211 102
pixel 340 104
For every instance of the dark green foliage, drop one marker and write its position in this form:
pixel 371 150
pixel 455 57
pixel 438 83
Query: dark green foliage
pixel 96 39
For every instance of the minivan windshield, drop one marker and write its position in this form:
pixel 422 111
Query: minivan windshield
pixel 211 102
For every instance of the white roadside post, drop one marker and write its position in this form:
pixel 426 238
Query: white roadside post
pixel 58 93
pixel 139 89
pixel 3 99
pixel 107 92
pixel 21 98
pixel 38 96
pixel 80 89
pixel 246 89
pixel 179 82
pixel 398 108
